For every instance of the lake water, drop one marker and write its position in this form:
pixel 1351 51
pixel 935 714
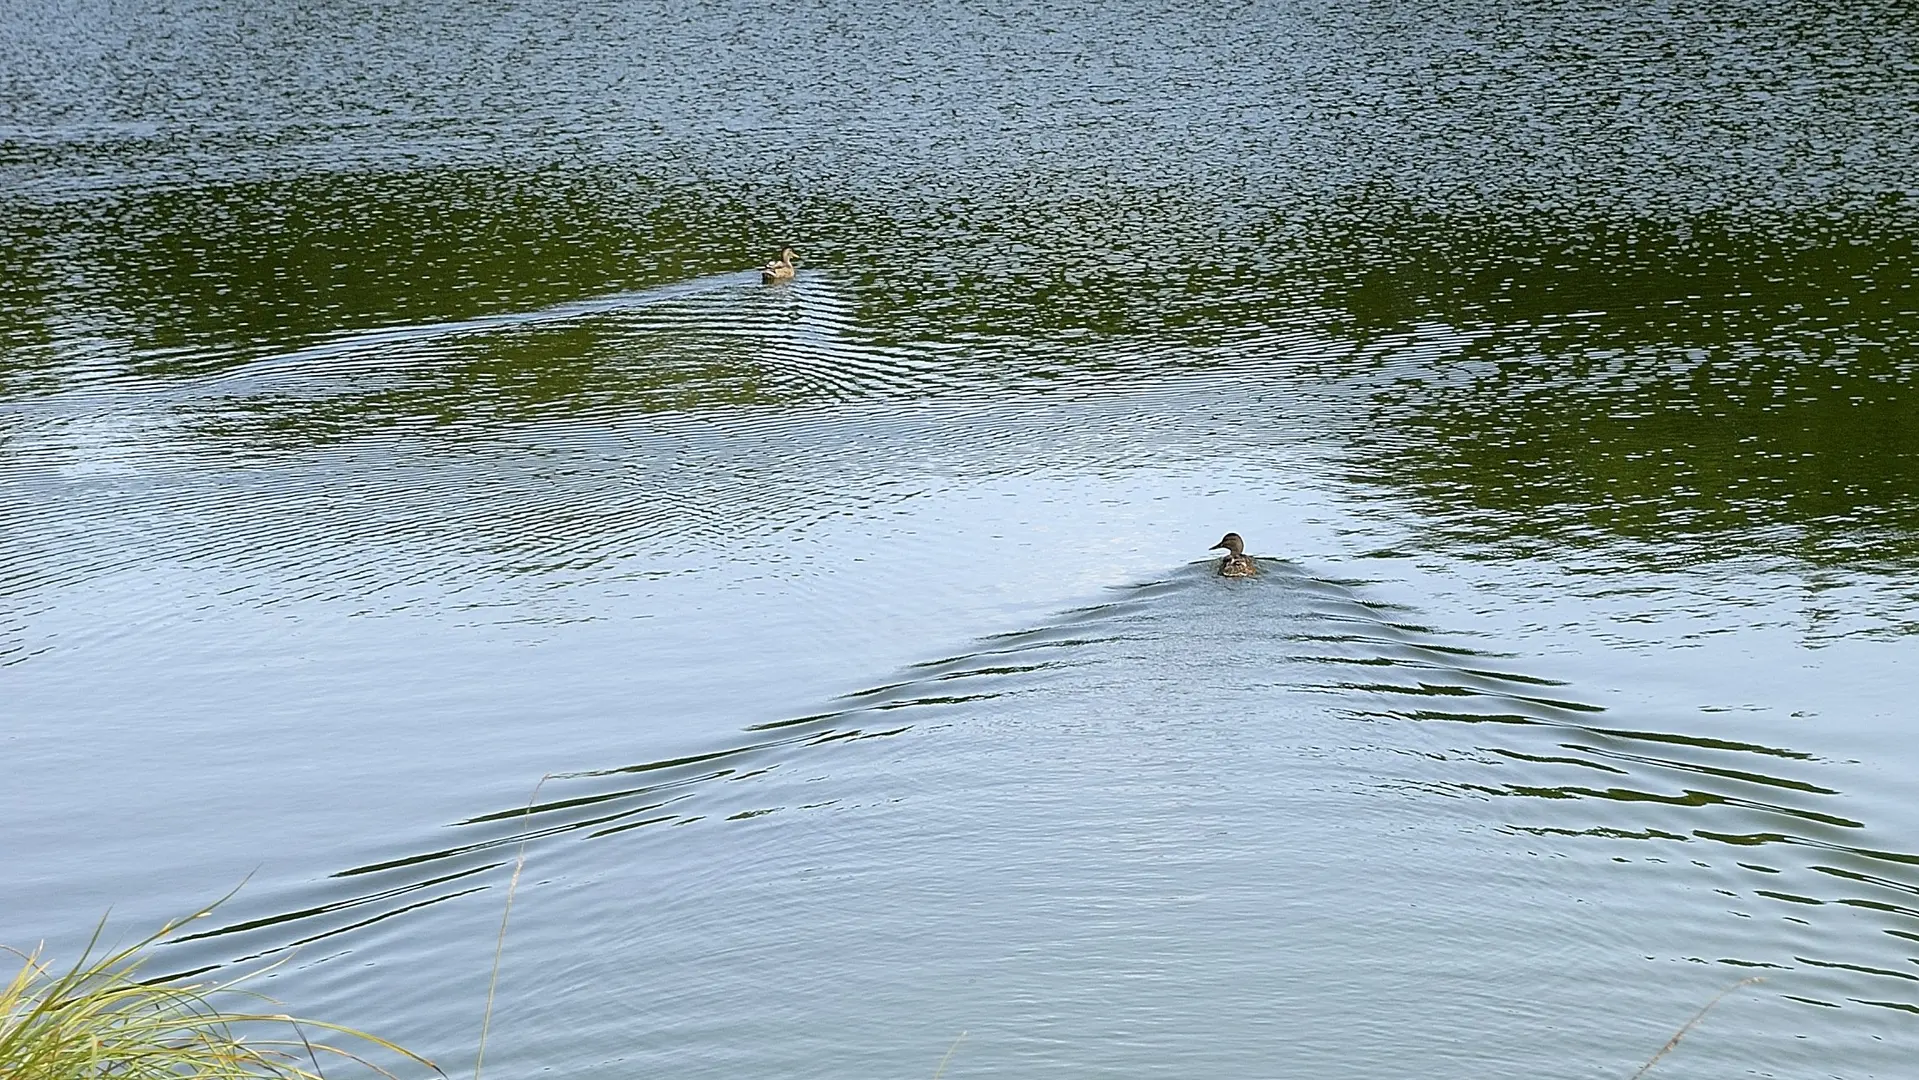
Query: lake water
pixel 401 469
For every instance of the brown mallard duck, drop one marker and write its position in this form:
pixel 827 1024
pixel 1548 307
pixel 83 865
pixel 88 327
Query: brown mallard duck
pixel 1236 563
pixel 780 269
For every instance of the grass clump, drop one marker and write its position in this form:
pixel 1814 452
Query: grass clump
pixel 100 1019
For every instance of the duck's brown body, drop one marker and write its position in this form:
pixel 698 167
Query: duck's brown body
pixel 1236 563
pixel 780 269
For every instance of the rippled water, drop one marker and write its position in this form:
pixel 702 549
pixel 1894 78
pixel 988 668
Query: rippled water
pixel 399 471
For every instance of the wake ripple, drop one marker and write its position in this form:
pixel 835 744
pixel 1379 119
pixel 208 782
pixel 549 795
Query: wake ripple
pixel 1548 764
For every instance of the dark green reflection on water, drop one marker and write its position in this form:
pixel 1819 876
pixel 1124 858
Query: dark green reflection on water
pixel 1681 385
pixel 1688 383
pixel 223 271
pixel 461 386
pixel 25 294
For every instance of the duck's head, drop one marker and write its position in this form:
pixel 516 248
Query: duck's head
pixel 1232 543
pixel 787 256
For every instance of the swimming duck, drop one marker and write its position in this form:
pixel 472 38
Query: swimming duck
pixel 780 269
pixel 1236 563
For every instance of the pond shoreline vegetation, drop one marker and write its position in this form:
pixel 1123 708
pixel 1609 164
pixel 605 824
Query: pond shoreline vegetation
pixel 102 1018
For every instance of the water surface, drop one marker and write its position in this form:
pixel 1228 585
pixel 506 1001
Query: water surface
pixel 401 470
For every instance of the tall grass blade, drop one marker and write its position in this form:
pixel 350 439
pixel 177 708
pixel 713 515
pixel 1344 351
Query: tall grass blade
pixel 1696 1017
pixel 937 1073
pixel 499 946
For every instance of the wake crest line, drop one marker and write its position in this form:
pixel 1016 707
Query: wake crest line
pixel 598 803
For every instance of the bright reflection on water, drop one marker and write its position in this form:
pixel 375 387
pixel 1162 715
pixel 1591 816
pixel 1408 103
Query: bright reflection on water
pixel 399 469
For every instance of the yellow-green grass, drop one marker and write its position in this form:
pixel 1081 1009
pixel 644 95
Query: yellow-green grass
pixel 99 1018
